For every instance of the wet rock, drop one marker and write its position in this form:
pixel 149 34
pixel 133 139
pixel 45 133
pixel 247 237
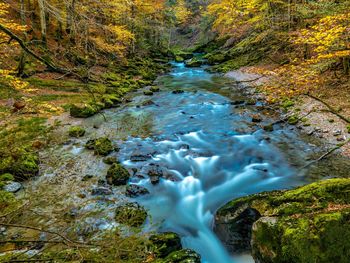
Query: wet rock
pixel 235 229
pixel 140 157
pixel 337 133
pixel 147 103
pixel 182 256
pixel 101 146
pixel 268 128
pixel 165 243
pixel 340 139
pixel 154 89
pixel 110 160
pixel 178 91
pixel 237 102
pixel 131 214
pixel 101 191
pixel 251 102
pixel 155 172
pixel 12 187
pixel 193 63
pixel 148 93
pixel 87 177
pixel 117 175
pixel 76 131
pixel 256 118
pixel 133 190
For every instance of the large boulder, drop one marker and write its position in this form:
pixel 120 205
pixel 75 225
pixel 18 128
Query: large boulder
pixel 117 175
pixel 307 224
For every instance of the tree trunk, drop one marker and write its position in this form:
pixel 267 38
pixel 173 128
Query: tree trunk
pixel 42 14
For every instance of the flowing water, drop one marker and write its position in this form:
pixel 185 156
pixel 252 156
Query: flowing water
pixel 203 142
pixel 210 153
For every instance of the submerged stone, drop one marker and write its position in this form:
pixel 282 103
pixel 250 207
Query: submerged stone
pixel 117 175
pixel 131 214
pixel 133 190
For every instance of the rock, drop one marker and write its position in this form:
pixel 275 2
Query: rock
pixel 193 63
pixel 340 139
pixel 181 256
pixel 178 91
pixel 76 131
pixel 131 214
pixel 268 128
pixel 140 157
pixel 101 146
pixel 309 223
pixel 147 103
pixel 19 105
pixel 216 58
pixel 12 187
pixel 293 120
pixel 154 89
pixel 155 172
pixel 110 160
pixel 117 175
pixel 87 177
pixel 179 59
pixel 256 118
pixel 101 191
pixel 251 102
pixel 83 111
pixel 111 101
pixel 337 133
pixel 133 190
pixel 148 93
pixel 165 243
pixel 237 102
pixel 235 229
pixel 26 166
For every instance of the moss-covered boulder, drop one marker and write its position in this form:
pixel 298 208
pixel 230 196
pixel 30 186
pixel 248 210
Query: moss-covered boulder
pixel 216 58
pixel 165 243
pixel 117 175
pixel 25 166
pixel 76 131
pixel 179 59
pixel 83 110
pixel 131 214
pixel 194 62
pixel 110 160
pixel 181 256
pixel 307 224
pixel 154 89
pixel 148 93
pixel 101 146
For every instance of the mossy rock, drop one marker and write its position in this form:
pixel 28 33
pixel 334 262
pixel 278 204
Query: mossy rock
pixel 4 178
pixel 154 89
pixel 165 243
pixel 194 63
pixel 111 101
pixel 181 256
pixel 131 214
pixel 110 160
pixel 307 224
pixel 216 58
pixel 26 166
pixel 148 93
pixel 101 146
pixel 179 59
pixel 117 175
pixel 183 54
pixel 76 131
pixel 293 120
pixel 83 111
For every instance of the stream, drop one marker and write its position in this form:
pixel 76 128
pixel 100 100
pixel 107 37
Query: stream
pixel 198 133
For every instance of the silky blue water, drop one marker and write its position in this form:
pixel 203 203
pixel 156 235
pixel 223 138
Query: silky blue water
pixel 210 154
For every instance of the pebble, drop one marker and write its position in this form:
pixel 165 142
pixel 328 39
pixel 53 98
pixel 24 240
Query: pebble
pixel 101 191
pixel 13 187
pixel 337 132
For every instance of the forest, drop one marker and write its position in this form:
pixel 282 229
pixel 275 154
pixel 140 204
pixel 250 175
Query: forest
pixel 175 131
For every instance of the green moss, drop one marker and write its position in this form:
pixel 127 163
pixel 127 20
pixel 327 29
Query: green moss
pixel 287 104
pixel 83 111
pixel 148 93
pixel 131 214
pixel 348 128
pixel 154 89
pixel 216 58
pixel 165 243
pixel 117 175
pixel 179 59
pixel 308 224
pixel 111 100
pixel 103 146
pixel 181 256
pixel 194 62
pixel 292 120
pixel 76 131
